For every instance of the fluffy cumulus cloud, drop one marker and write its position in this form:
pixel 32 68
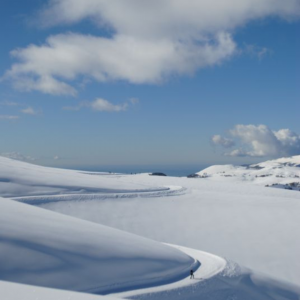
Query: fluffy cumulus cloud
pixel 49 68
pixel 149 40
pixel 222 141
pixel 260 141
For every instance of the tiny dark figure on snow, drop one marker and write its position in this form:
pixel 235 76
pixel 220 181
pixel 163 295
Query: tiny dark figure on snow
pixel 192 274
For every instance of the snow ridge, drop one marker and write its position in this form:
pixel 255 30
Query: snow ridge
pixel 279 173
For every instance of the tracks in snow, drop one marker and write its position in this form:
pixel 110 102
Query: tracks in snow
pixel 210 267
pixel 44 199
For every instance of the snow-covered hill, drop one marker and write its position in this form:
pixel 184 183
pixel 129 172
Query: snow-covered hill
pixel 247 223
pixel 19 179
pixel 15 291
pixel 281 173
pixel 43 248
pixel 231 282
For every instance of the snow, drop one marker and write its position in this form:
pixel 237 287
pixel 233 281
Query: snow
pixel 218 280
pixel 235 217
pixel 257 227
pixel 210 265
pixel 43 248
pixel 15 291
pixel 215 279
pixel 21 179
pixel 280 173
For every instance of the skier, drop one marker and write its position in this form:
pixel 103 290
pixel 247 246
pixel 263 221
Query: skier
pixel 192 274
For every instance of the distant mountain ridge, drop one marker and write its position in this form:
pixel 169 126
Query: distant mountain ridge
pixel 280 173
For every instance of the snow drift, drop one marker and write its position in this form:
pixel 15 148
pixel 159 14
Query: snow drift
pixel 43 248
pixel 23 179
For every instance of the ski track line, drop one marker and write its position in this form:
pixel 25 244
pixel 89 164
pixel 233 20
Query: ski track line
pixel 146 283
pixel 210 266
pixel 44 199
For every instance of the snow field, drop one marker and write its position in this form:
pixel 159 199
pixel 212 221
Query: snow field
pixel 218 279
pixel 43 248
pixel 225 215
pixel 255 226
pixel 24 179
pixel 15 291
pixel 209 266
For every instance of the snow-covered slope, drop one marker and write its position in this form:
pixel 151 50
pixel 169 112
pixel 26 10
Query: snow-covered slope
pixel 247 223
pixel 43 248
pixel 218 280
pixel 256 226
pixel 281 173
pixel 15 291
pixel 19 179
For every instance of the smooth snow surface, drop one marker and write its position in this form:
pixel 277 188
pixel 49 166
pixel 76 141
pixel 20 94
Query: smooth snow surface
pixel 254 225
pixel 23 179
pixel 43 248
pixel 217 279
pixel 211 265
pixel 15 291
pixel 257 227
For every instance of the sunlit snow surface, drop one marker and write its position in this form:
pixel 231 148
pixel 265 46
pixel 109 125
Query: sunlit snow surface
pixel 229 216
pixel 279 173
pixel 218 279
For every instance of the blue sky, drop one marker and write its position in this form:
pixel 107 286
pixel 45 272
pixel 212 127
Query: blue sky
pixel 241 69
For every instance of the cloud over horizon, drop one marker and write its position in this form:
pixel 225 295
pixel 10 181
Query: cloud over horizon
pixel 148 41
pixel 259 141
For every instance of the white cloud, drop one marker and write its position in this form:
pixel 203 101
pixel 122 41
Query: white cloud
pixel 237 153
pixel 9 117
pixel 165 18
pixel 18 156
pixel 25 110
pixel 288 139
pixel 29 111
pixel 136 60
pixel 150 40
pixel 262 141
pixel 46 83
pixel 103 105
pixel 222 141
